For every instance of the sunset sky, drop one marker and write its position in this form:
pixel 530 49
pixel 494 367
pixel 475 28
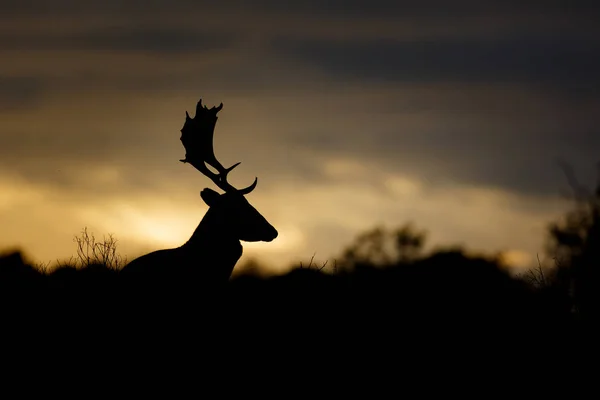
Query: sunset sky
pixel 352 114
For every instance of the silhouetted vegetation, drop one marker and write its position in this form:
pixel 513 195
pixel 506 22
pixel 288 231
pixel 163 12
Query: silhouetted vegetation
pixel 437 305
pixel 574 246
pixel 384 295
pixel 383 282
pixel 382 288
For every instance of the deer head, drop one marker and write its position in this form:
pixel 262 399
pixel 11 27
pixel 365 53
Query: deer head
pixel 229 213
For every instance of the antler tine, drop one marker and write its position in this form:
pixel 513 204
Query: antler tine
pixel 220 179
pixel 197 138
pixel 227 186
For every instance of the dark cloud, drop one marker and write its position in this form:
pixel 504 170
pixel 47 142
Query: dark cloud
pixel 69 156
pixel 330 7
pixel 423 8
pixel 124 39
pixel 20 92
pixel 504 149
pixel 155 40
pixel 546 60
pixel 490 136
pixel 521 161
pixel 62 157
pixel 36 7
pixel 511 146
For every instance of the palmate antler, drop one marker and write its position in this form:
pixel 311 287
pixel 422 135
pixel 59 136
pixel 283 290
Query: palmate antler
pixel 197 138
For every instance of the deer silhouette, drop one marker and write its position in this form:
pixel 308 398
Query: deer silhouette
pixel 214 248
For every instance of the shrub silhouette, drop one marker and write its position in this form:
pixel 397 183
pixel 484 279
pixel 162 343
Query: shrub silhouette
pixel 382 247
pixel 574 244
pixel 446 304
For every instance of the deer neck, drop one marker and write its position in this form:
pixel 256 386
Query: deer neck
pixel 212 241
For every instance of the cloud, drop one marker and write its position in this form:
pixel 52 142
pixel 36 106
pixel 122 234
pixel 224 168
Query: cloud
pixel 169 40
pixel 19 92
pixel 345 113
pixel 351 7
pixel 530 60
pixel 489 135
pixel 510 138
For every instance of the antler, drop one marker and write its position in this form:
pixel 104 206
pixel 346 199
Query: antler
pixel 197 138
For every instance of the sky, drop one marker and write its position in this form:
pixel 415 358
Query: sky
pixel 352 114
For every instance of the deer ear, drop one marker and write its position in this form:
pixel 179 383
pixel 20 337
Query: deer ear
pixel 209 196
